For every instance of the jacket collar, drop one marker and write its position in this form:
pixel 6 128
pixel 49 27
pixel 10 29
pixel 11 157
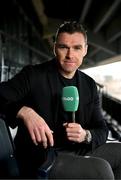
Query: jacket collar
pixel 53 81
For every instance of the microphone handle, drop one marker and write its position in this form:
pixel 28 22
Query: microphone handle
pixel 73 117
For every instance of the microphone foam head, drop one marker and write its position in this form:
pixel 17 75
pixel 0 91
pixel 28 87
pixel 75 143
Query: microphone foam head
pixel 70 98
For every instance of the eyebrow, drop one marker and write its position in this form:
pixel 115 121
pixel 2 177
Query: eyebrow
pixel 64 45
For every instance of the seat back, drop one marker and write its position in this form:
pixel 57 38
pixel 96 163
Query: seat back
pixel 8 163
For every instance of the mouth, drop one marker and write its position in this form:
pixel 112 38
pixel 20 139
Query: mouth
pixel 69 62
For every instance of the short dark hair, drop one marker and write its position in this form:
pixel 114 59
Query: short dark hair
pixel 71 27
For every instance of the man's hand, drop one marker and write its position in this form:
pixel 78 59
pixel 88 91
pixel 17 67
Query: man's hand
pixel 37 127
pixel 75 132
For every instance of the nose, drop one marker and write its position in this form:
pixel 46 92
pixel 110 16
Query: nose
pixel 69 53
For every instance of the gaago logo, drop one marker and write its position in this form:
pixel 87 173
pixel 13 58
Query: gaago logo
pixel 68 98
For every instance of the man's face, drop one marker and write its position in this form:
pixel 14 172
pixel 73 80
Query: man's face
pixel 70 50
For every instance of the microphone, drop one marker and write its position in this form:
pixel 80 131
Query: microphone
pixel 70 100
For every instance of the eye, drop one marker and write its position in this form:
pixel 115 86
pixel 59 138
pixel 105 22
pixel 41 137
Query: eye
pixel 62 46
pixel 78 47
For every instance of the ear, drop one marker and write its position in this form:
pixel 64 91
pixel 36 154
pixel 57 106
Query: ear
pixel 85 51
pixel 54 49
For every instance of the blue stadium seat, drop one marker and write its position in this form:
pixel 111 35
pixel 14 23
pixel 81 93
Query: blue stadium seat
pixel 8 164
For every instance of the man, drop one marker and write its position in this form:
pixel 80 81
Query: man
pixel 32 101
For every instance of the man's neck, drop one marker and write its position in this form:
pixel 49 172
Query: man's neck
pixel 67 75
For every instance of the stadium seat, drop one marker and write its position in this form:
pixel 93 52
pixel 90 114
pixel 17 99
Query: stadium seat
pixel 8 164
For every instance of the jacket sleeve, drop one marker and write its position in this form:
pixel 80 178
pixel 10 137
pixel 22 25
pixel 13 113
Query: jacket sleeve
pixel 13 93
pixel 98 125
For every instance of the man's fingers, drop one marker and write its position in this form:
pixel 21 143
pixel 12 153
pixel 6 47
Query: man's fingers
pixel 33 137
pixel 49 135
pixel 42 134
pixel 44 138
pixel 37 135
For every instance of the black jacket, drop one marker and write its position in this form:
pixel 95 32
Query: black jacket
pixel 37 87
